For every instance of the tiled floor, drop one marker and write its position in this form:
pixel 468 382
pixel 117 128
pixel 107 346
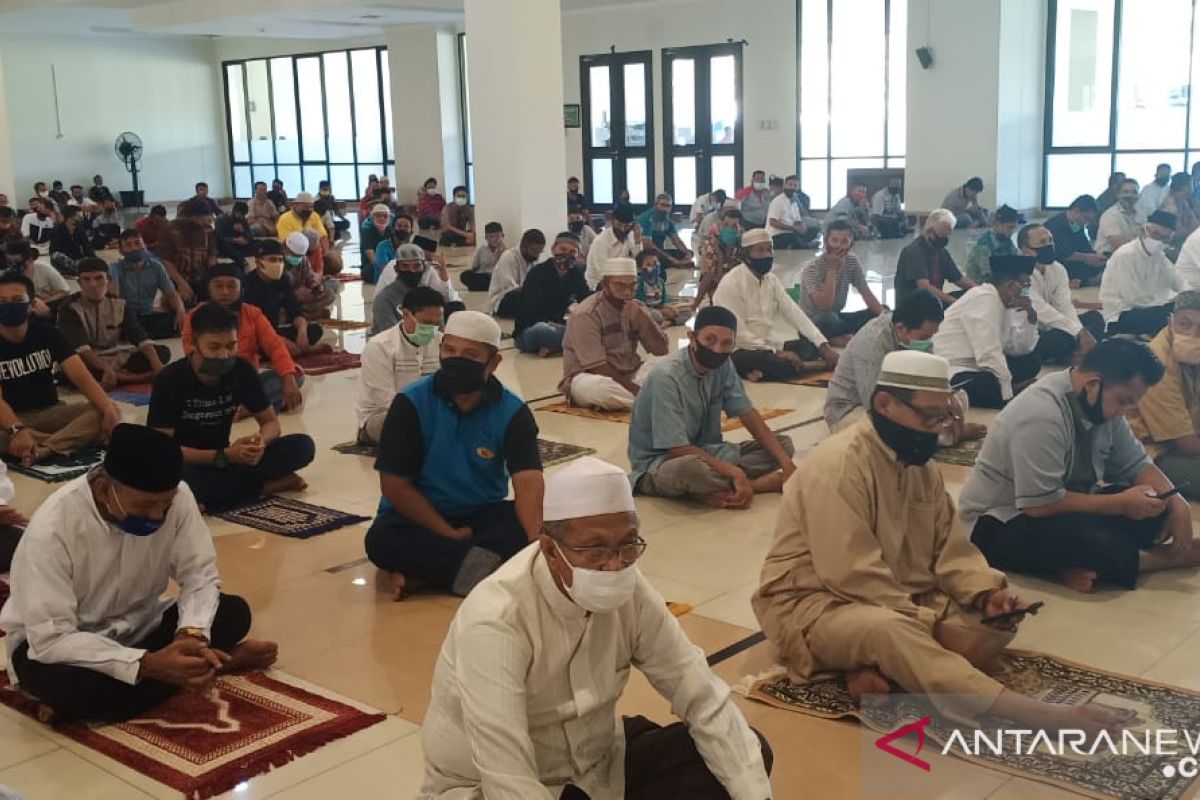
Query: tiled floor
pixel 338 632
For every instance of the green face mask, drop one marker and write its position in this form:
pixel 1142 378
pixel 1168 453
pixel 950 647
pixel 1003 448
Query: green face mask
pixel 423 335
pixel 920 345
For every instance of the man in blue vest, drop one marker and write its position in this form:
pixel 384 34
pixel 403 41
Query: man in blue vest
pixel 449 445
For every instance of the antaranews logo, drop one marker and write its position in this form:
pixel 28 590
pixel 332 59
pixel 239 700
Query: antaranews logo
pixel 884 743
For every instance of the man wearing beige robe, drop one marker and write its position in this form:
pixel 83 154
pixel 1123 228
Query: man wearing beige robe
pixel 872 575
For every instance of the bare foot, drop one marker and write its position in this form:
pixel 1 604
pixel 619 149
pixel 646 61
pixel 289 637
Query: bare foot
pixel 397 585
pixel 251 654
pixel 288 483
pixel 320 349
pixel 45 714
pixel 1080 580
pixel 972 431
pixel 36 456
pixel 766 484
pixel 865 681
pixel 754 375
pixel 1076 283
pixel 544 352
pixel 716 499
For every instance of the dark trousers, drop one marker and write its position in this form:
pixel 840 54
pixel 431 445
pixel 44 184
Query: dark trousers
pixel 218 489
pixel 663 762
pixel 774 367
pixel 9 537
pixel 509 304
pixel 452 307
pixel 1109 546
pixel 840 323
pixel 1058 347
pixel 395 543
pixel 983 388
pixel 451 239
pixel 476 281
pixel 1079 271
pixel 80 693
pixel 159 324
pixel 290 332
pixel 889 227
pixel 1142 321
pixel 429 223
pixel 795 241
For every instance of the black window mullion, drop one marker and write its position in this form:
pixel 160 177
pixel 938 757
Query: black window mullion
pixel 353 123
pixel 383 137
pixel 828 103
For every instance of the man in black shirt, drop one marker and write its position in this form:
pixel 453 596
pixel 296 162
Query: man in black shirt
pixel 925 264
pixel 278 196
pixel 99 192
pixel 1072 245
pixel 195 400
pixel 69 241
pixel 34 425
pixel 550 289
pixel 270 289
pixel 234 239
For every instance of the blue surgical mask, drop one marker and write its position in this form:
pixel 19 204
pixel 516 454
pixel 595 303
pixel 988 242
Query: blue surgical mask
pixel 761 266
pixel 135 255
pixel 132 524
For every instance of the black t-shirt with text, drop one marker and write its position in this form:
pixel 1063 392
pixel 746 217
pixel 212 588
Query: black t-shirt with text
pixel 200 414
pixel 27 368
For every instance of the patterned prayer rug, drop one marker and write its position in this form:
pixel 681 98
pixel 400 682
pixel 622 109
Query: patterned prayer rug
pixel 1104 775
pixel 343 324
pixel 818 380
pixel 962 454
pixel 206 744
pixel 552 453
pixel 624 416
pixel 347 277
pixel 60 468
pixel 289 517
pixel 333 362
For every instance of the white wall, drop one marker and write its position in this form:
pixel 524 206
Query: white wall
pixel 163 89
pixel 768 67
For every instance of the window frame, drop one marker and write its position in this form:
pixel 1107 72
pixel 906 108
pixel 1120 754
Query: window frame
pixel 615 62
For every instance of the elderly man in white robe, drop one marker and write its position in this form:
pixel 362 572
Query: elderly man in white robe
pixel 1140 282
pixel 527 683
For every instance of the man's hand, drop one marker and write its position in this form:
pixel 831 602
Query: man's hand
pixel 462 534
pixel 179 315
pixel 22 444
pixel 38 308
pixel 829 355
pixel 186 295
pixel 247 450
pixel 1003 602
pixel 12 517
pixel 109 418
pixel 1086 340
pixel 181 663
pixel 292 399
pixel 439 264
pixel 108 379
pixel 1139 502
pixel 631 311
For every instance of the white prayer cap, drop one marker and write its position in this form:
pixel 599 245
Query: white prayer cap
pixel 587 487
pixel 304 197
pixel 380 208
pixel 619 268
pixel 755 236
pixel 474 325
pixel 912 369
pixel 297 243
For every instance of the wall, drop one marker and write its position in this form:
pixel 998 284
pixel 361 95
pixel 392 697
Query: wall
pixel 1021 103
pixel 163 89
pixel 768 66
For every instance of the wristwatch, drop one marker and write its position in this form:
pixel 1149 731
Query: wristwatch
pixel 220 460
pixel 195 633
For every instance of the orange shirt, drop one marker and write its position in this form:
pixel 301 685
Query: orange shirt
pixel 255 336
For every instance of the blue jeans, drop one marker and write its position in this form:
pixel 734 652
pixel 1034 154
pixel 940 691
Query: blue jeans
pixel 272 383
pixel 539 335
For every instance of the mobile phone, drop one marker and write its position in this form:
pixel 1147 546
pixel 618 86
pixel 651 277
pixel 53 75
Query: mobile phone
pixel 426 244
pixel 1174 491
pixel 1013 616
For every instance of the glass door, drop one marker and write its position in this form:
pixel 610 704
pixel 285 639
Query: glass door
pixel 702 144
pixel 618 149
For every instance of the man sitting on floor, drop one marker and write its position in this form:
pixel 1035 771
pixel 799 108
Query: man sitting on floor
pixel 676 444
pixel 409 270
pixel 69 241
pixel 315 293
pixel 1072 245
pixel 963 203
pixel 138 278
pixel 255 337
pixel 788 221
pixel 12 521
pixel 621 239
pixel 656 223
pixel 397 357
pixel 855 209
pixel 652 291
pixel 1121 222
pixel 887 210
pixel 375 229
pixel 996 241
pixel 525 691
pixel 1062 331
pixel 50 288
pixel 34 423
pixel 1033 499
pixel 756 298
pixel 1140 281
pixel 448 447
pixel 195 400
pixel 504 289
pixel 188 249
pixel 458 221
pixel 548 296
pixel 990 335
pixel 925 264
pixel 479 275
pixel 601 365
pixel 871 574
pixel 106 334
pixel 270 290
pixel 90 632
pixel 825 285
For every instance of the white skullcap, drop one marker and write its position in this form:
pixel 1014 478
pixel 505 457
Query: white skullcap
pixel 303 197
pixel 587 487
pixel 619 268
pixel 755 236
pixel 474 325
pixel 380 208
pixel 297 242
pixel 912 369
pixel 410 252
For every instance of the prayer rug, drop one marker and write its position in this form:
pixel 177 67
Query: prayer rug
pixel 962 454
pixel 343 324
pixel 1088 305
pixel 333 362
pixel 818 380
pixel 134 394
pixel 1131 775
pixel 289 517
pixel 347 277
pixel 4 596
pixel 60 468
pixel 624 416
pixel 552 453
pixel 679 609
pixel 354 449
pixel 205 744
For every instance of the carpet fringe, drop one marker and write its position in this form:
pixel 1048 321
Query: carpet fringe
pixel 747 684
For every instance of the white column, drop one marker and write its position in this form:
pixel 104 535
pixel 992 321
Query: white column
pixel 514 50
pixel 8 184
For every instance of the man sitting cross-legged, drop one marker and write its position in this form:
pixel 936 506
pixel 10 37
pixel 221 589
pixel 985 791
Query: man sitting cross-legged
pixel 400 276
pixel 1033 501
pixel 601 365
pixel 1062 330
pixel 397 357
pixel 34 423
pixel 195 400
pixel 871 574
pixel 1140 281
pixel 138 278
pixel 526 689
pixel 270 289
pixel 548 296
pixel 90 633
pixel 106 333
pixel 676 444
pixel 447 449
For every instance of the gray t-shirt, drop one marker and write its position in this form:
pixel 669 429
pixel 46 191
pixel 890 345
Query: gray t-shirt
pixel 1029 450
pixel 857 370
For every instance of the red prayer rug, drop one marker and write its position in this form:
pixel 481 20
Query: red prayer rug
pixel 333 362
pixel 3 597
pixel 205 744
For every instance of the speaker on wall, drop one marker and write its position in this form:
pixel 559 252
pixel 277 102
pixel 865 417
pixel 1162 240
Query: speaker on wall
pixel 925 56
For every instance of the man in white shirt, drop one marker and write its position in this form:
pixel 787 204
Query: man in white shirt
pixel 621 239
pixel 89 632
pixel 1139 282
pixel 1188 263
pixel 12 521
pixel 479 276
pixel 398 356
pixel 1062 331
pixel 788 222
pixel 1155 193
pixel 706 204
pixel 37 224
pixel 757 299
pixel 990 334
pixel 1120 222
pixel 887 210
pixel 504 289
pixel 538 655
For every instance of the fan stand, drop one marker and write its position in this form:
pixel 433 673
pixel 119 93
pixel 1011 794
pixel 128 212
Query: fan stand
pixel 131 168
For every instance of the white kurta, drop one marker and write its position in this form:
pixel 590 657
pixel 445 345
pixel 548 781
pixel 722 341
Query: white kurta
pixel 604 247
pixel 1188 263
pixel 526 688
pixel 83 591
pixel 1135 279
pixel 757 304
pixel 508 274
pixel 430 278
pixel 1152 198
pixel 1116 224
pixel 979 331
pixel 1050 293
pixel 391 362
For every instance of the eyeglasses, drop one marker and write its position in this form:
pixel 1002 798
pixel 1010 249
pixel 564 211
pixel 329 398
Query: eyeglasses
pixel 599 556
pixel 933 419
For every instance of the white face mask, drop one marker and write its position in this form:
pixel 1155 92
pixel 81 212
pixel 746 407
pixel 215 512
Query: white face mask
pixel 1153 246
pixel 600 591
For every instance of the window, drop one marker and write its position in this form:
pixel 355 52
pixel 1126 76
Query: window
pixel 702 138
pixel 1118 93
pixel 308 118
pixel 851 105
pixel 618 142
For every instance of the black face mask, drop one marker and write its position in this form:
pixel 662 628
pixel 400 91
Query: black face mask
pixel 707 357
pixel 462 375
pixel 911 447
pixel 1093 411
pixel 893 190
pixel 790 192
pixel 1045 255
pixel 304 214
pixel 1161 181
pixel 761 266
pixel 410 279
pixel 940 242
pixel 400 237
pixel 576 226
